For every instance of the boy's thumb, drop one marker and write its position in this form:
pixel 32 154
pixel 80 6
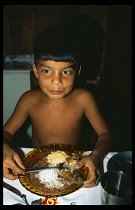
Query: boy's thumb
pixel 79 164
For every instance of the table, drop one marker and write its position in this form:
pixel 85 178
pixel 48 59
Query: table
pixel 83 196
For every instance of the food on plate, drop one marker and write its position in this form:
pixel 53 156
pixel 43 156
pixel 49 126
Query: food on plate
pixel 54 180
pixel 56 157
pixel 49 178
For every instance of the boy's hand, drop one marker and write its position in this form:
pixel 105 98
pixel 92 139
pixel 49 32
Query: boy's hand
pixel 12 164
pixel 93 163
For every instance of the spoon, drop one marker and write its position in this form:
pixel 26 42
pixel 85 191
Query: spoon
pixel 63 165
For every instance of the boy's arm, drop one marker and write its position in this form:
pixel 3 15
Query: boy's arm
pixel 7 138
pixel 94 116
pixel 94 160
pixel 12 164
pixel 103 145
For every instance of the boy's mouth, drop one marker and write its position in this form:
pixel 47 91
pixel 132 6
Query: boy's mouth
pixel 55 92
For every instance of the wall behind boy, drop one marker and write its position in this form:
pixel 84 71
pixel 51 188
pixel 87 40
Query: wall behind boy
pixel 22 23
pixel 117 82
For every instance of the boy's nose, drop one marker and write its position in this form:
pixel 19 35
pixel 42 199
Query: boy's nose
pixel 56 80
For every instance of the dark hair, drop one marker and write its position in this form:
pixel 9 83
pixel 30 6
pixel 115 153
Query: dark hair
pixel 51 45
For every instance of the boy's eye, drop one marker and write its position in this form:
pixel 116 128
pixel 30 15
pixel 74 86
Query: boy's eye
pixel 46 71
pixel 67 72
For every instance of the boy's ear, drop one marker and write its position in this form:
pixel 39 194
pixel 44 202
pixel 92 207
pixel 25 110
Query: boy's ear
pixel 35 71
pixel 79 70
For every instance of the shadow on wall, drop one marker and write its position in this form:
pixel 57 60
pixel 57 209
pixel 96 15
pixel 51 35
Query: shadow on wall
pixel 89 34
pixel 22 137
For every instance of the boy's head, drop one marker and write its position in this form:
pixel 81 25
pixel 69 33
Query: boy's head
pixel 52 45
pixel 56 64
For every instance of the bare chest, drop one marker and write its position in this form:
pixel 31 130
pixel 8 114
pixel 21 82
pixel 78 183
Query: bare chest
pixel 55 119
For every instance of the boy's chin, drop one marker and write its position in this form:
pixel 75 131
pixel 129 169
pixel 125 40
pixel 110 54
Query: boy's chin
pixel 56 97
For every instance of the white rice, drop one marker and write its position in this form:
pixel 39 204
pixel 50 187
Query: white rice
pixel 49 177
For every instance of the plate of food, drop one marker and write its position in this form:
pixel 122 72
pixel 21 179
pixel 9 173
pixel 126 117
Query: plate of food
pixel 53 182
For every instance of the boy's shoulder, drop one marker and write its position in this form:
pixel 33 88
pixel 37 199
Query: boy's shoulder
pixel 83 95
pixel 30 95
pixel 82 92
pixel 32 92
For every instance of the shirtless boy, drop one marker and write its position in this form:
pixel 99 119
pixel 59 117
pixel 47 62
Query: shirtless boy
pixel 56 110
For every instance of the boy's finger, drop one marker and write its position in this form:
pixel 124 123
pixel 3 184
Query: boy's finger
pixel 14 167
pixel 9 175
pixel 80 164
pixel 19 162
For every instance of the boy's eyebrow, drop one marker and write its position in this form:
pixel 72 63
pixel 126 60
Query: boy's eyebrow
pixel 70 66
pixel 41 64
